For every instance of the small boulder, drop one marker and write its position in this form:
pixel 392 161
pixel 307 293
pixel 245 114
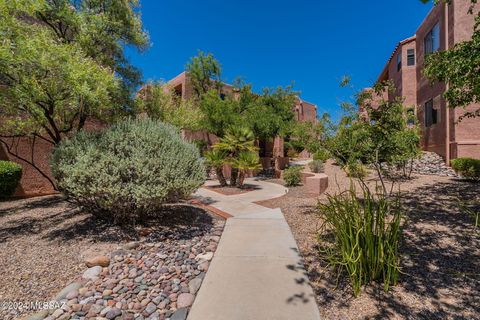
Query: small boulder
pixel 185 300
pixel 180 314
pixel 72 287
pixel 92 273
pixel 102 261
pixel 204 256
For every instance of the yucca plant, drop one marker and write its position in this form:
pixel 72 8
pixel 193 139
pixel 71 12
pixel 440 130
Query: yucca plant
pixel 245 162
pixel 236 141
pixel 366 235
pixel 216 159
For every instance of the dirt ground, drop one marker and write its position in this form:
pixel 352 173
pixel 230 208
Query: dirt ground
pixel 440 253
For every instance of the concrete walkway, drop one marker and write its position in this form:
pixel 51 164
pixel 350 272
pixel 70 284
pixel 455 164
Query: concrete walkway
pixel 256 272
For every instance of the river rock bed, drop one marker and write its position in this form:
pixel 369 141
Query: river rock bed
pixel 156 278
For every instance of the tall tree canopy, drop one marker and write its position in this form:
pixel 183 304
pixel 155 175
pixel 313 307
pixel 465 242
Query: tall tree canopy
pixel 62 61
pixel 267 114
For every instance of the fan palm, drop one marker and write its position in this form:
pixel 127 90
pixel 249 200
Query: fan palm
pixel 216 159
pixel 236 141
pixel 244 162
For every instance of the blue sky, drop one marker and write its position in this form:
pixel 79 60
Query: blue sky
pixel 310 43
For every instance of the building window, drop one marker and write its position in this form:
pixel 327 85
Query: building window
pixel 410 57
pixel 432 40
pixel 399 60
pixel 430 114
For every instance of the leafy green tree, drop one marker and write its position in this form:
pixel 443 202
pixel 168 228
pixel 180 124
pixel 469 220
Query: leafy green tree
pixel 219 113
pixel 381 136
pixel 159 102
pixel 459 67
pixel 268 114
pixel 62 62
pixel 205 73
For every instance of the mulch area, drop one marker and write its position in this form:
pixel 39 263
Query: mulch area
pixel 230 191
pixel 440 253
pixel 44 242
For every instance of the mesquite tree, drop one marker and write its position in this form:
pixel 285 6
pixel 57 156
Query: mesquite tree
pixel 61 62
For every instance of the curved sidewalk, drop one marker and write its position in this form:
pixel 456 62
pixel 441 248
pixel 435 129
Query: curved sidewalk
pixel 256 272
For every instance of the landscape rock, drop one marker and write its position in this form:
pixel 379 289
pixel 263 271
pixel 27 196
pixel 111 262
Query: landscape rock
pixel 180 314
pixel 92 273
pixel 74 286
pixel 195 284
pixel 102 261
pixel 185 300
pixel 156 278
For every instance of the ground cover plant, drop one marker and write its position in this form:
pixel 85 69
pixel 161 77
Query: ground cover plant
pixel 10 175
pixel 468 168
pixel 292 176
pixel 129 170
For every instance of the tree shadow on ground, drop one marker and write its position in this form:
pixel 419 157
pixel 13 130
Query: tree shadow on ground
pixel 56 220
pixel 440 254
pixel 12 206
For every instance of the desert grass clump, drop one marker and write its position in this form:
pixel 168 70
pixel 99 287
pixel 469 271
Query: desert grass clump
pixel 316 166
pixel 360 237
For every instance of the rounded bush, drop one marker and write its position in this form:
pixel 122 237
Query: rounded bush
pixel 322 155
pixel 129 170
pixel 316 166
pixel 10 175
pixel 292 176
pixel 468 168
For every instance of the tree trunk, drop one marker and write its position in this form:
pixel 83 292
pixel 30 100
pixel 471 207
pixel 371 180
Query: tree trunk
pixel 240 179
pixel 233 177
pixel 220 176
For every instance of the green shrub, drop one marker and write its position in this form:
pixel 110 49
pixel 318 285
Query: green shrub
pixel 129 170
pixel 316 166
pixel 292 176
pixel 356 170
pixel 467 167
pixel 366 235
pixel 322 155
pixel 10 175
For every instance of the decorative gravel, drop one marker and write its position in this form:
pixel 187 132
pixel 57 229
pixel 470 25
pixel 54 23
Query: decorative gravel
pixel 440 253
pixel 154 277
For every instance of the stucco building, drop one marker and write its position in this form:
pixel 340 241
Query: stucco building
pixel 303 110
pixel 444 26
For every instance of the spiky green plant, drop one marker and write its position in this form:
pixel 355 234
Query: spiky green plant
pixel 216 159
pixel 360 237
pixel 245 162
pixel 236 141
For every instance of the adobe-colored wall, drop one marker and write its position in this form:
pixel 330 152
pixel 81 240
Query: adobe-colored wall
pixel 433 137
pixel 32 182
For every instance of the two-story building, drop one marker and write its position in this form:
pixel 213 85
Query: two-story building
pixel 446 25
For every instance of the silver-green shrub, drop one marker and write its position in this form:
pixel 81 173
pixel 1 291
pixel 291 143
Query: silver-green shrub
pixel 129 170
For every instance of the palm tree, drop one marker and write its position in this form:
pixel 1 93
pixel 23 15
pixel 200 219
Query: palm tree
pixel 244 162
pixel 216 159
pixel 236 141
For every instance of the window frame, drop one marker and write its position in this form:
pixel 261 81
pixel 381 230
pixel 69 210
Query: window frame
pixel 430 113
pixel 431 41
pixel 410 57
